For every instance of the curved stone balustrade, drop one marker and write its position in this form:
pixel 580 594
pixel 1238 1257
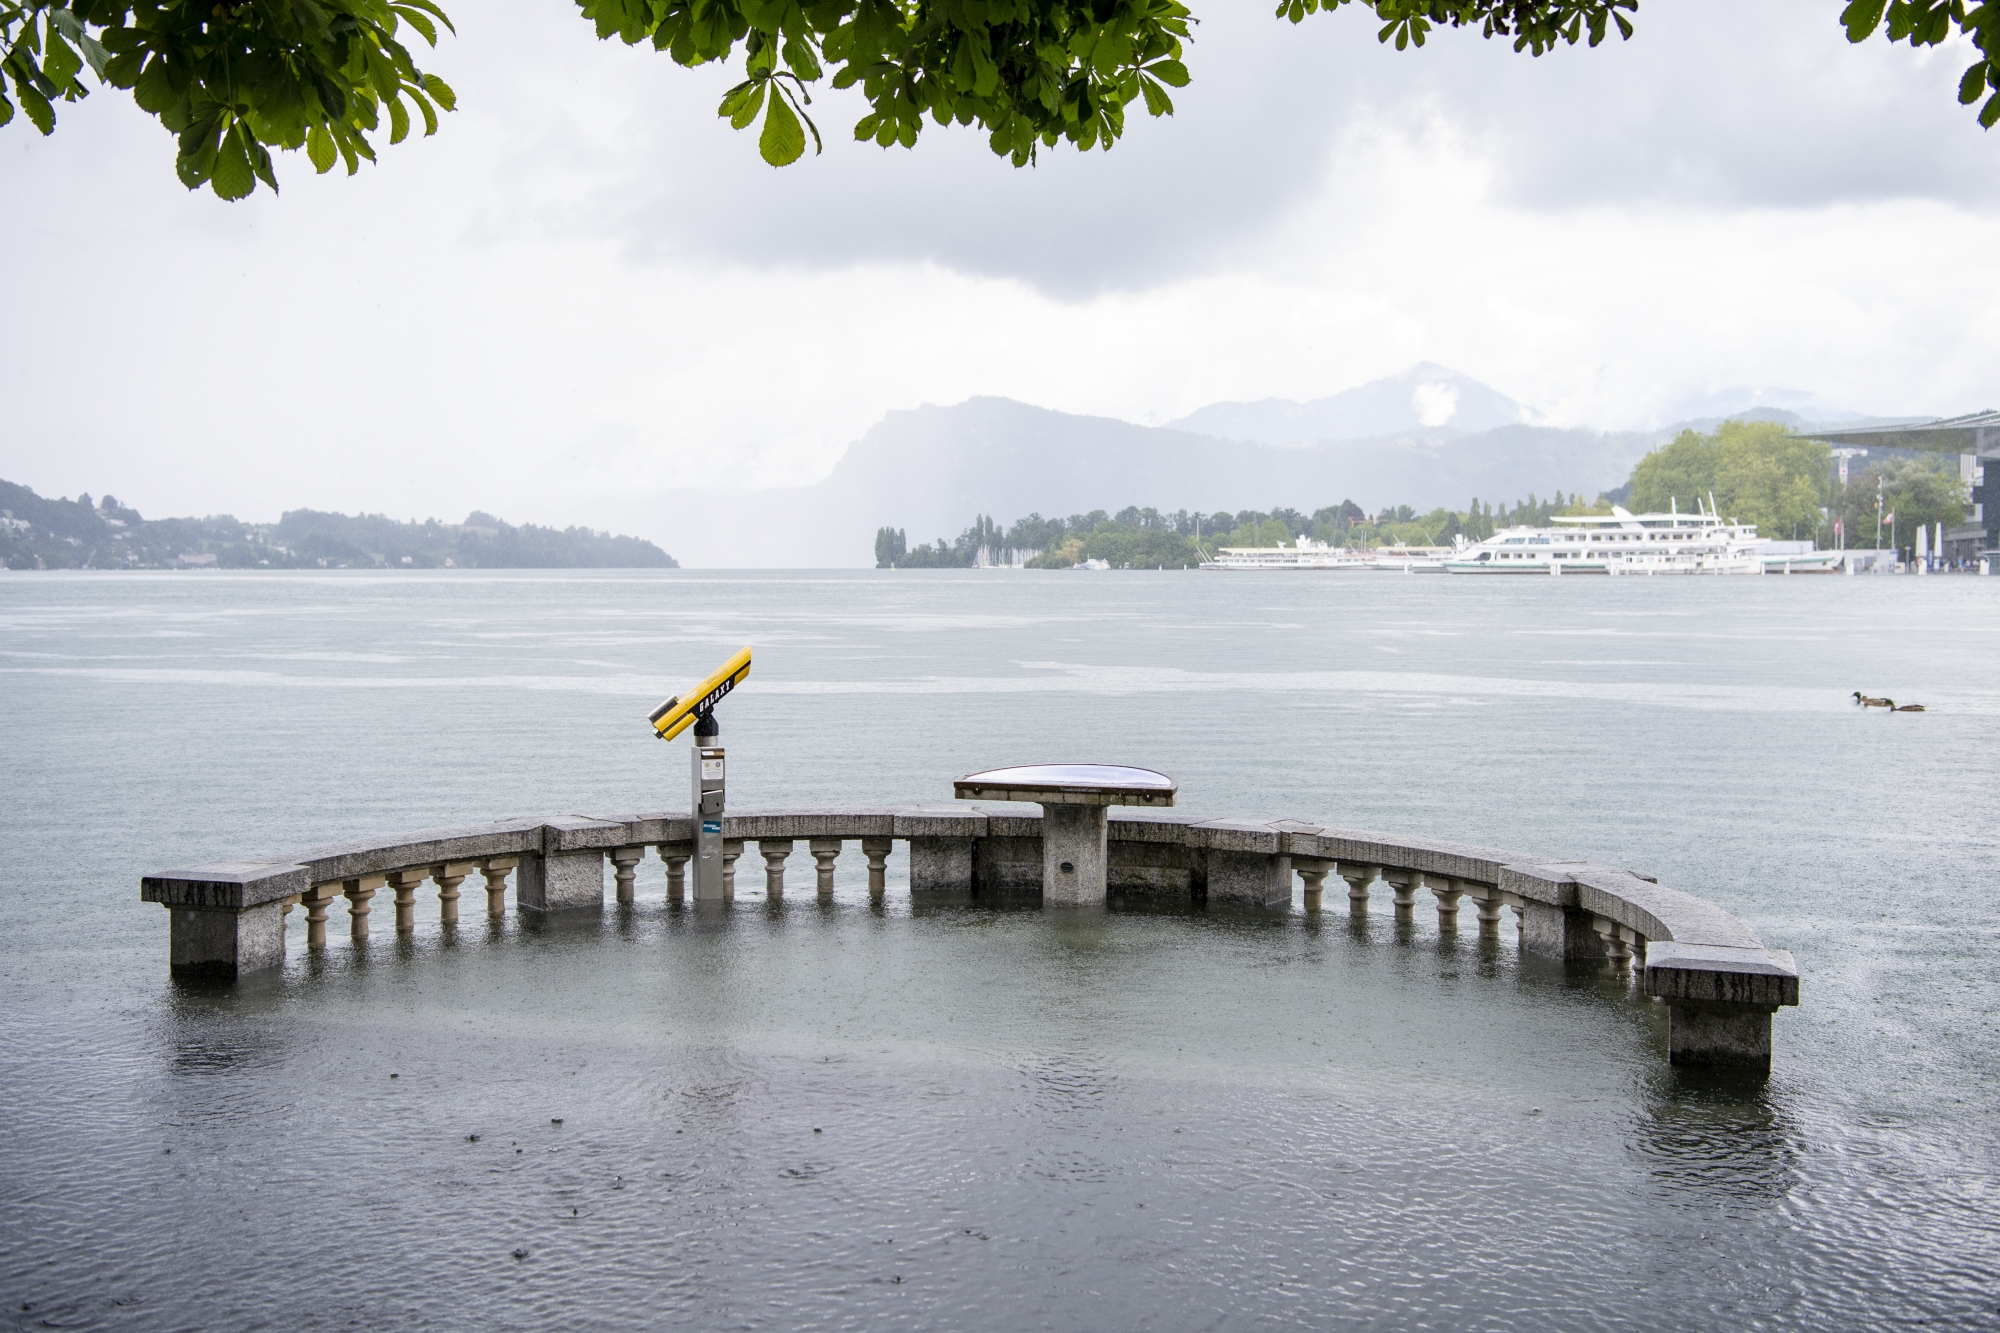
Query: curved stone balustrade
pixel 1720 983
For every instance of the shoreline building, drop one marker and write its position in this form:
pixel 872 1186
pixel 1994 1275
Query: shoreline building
pixel 1975 438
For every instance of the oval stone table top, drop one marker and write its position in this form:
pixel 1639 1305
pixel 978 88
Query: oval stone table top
pixel 1069 784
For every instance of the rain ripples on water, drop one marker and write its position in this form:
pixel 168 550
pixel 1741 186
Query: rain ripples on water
pixel 923 1117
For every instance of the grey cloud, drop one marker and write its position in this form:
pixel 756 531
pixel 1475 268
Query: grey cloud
pixel 1715 105
pixel 1723 106
pixel 1178 195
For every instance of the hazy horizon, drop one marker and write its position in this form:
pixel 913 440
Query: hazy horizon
pixel 586 294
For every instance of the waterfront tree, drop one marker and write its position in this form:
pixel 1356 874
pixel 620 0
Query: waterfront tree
pixel 890 546
pixel 1758 471
pixel 235 81
pixel 1920 492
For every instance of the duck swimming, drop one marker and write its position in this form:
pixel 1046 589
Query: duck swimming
pixel 1869 701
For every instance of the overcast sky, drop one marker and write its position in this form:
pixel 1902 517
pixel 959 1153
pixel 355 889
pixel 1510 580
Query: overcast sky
pixel 586 286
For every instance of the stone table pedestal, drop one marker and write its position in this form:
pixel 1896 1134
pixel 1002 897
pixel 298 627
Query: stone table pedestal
pixel 1075 801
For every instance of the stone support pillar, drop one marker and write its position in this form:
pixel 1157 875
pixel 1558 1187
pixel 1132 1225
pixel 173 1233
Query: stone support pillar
pixel 774 851
pixel 1612 942
pixel 1491 905
pixel 1405 883
pixel 731 849
pixel 561 881
pixel 358 892
pixel 1358 879
pixel 1074 858
pixel 624 868
pixel 1314 873
pixel 404 884
pixel 877 851
pixel 204 943
pixel 676 855
pixel 825 851
pixel 1257 879
pixel 226 918
pixel 448 878
pixel 1447 892
pixel 494 872
pixel 1720 1001
pixel 317 900
pixel 1568 933
pixel 940 865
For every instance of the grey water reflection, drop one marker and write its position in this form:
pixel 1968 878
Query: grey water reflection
pixel 1703 1137
pixel 935 1115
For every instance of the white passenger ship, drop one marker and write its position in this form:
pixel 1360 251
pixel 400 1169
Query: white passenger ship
pixel 1622 542
pixel 1307 554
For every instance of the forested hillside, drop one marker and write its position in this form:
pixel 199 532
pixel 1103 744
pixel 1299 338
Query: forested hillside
pixel 39 533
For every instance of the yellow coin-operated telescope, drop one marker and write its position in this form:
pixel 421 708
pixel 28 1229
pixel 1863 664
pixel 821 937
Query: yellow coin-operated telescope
pixel 697 709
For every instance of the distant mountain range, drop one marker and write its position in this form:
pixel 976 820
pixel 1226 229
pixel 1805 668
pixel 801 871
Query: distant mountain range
pixel 930 470
pixel 40 533
pixel 1424 397
pixel 1430 436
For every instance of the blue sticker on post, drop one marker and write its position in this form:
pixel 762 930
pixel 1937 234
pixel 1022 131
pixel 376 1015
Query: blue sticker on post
pixel 711 826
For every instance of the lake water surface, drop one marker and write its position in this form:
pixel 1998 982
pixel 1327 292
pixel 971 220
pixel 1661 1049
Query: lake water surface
pixel 799 1117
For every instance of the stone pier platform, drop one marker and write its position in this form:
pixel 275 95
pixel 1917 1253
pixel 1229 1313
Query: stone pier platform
pixel 1719 983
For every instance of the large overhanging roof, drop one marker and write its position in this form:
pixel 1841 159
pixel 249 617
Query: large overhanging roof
pixel 1976 433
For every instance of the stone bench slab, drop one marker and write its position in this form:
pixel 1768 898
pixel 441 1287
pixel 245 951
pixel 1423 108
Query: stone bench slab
pixel 1706 973
pixel 224 885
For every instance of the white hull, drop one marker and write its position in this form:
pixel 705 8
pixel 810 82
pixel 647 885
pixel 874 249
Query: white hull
pixel 1226 563
pixel 1641 545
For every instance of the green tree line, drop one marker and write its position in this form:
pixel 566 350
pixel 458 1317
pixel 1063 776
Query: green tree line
pixel 40 533
pixel 1146 538
pixel 1760 472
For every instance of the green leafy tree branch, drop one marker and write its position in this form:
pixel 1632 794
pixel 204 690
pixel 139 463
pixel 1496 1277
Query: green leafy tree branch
pixel 235 80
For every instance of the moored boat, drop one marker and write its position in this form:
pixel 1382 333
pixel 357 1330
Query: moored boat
pixel 1305 554
pixel 1622 542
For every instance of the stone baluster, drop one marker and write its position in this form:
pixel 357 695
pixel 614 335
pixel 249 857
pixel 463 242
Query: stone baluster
pixel 1358 879
pixel 731 849
pixel 877 852
pixel 1447 892
pixel 1616 951
pixel 1404 882
pixel 494 872
pixel 824 852
pixel 448 878
pixel 676 855
pixel 624 867
pixel 1491 903
pixel 317 900
pixel 1607 930
pixel 1513 903
pixel 405 882
pixel 1314 873
pixel 358 892
pixel 774 851
pixel 1635 942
